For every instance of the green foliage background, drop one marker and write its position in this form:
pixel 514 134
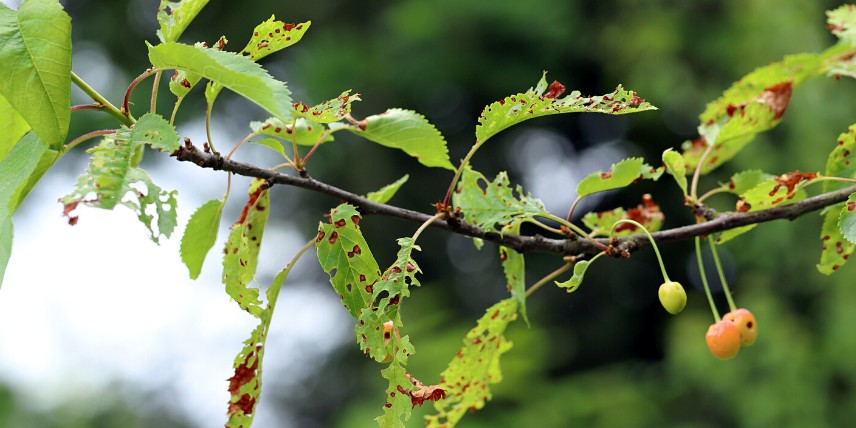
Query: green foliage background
pixel 606 355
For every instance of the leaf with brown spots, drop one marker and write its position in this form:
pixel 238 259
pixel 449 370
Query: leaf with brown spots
pixel 621 174
pixel 328 111
pixel 271 36
pixel 475 367
pixel 533 103
pixel 647 213
pixel 842 160
pixel 847 219
pixel 352 273
pixel 514 267
pixel 242 248
pixel 835 249
pixel 842 23
pixel 496 204
pixel 303 132
pixel 175 16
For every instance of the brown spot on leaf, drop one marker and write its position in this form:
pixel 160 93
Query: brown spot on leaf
pixel 333 237
pixel 340 223
pixel 851 206
pixel 777 97
pixel 555 90
pixel 321 235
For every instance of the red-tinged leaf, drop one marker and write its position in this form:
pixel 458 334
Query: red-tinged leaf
pixel 271 36
pixel 647 213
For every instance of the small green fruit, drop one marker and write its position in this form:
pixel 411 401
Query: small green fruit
pixel 673 297
pixel 746 325
pixel 723 340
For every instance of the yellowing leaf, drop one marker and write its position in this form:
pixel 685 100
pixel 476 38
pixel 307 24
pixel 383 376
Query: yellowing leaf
pixel 328 111
pixel 271 36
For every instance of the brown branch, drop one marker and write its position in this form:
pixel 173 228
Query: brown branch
pixel 573 245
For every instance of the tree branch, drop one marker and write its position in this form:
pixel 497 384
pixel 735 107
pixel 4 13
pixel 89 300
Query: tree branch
pixel 573 245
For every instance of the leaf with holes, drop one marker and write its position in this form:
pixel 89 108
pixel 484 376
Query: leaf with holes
pixel 175 16
pixel 20 170
pixel 398 401
pixel 676 166
pixel 200 235
pixel 535 102
pixel 328 111
pixel 271 36
pixel 346 257
pixel 241 254
pixel 514 267
pixel 475 367
pixel 847 219
pixel 496 204
pixel 835 249
pixel 228 69
pixel 621 174
pixel 841 160
pixel 151 129
pixel 385 193
pixel 408 131
pixel 304 132
pixel 647 213
pixel 576 280
pixel 13 125
pixel 842 23
pixel 35 67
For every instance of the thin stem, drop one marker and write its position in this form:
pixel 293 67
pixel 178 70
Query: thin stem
pixel 101 100
pixel 208 127
pixel 427 223
pixel 545 227
pixel 548 278
pixel 89 135
pixel 697 172
pixel 828 178
pixel 155 85
pixel 175 110
pixel 704 280
pixel 82 107
pixel 460 170
pixel 282 165
pixel 240 143
pixel 653 244
pixel 133 85
pixel 574 206
pixel 721 274
pixel 711 192
pixel 272 297
pixel 576 229
pixel 297 162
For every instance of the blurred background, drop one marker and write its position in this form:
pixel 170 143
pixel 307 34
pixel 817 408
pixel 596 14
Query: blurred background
pixel 101 328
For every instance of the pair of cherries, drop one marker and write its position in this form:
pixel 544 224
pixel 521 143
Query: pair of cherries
pixel 736 329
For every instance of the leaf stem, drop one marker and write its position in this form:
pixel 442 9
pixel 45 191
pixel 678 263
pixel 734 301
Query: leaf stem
pixel 111 109
pixel 82 107
pixel 574 206
pixel 711 192
pixel 240 143
pixel 427 223
pixel 274 294
pixel 175 110
pixel 548 278
pixel 653 244
pixel 155 85
pixel 577 230
pixel 460 170
pixel 134 83
pixel 704 280
pixel 89 135
pixel 697 171
pixel 208 127
pixel 721 274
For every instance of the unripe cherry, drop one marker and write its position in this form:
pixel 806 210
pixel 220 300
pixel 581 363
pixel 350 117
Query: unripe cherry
pixel 723 340
pixel 672 297
pixel 746 324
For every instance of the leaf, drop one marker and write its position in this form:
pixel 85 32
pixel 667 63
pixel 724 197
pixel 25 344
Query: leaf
pixel 304 132
pixel 20 169
pixel 835 249
pixel 743 181
pixel 35 67
pixel 271 36
pixel 230 70
pixel 151 129
pixel 475 367
pixel 619 175
pixel 200 235
pixel 408 131
pixel 385 193
pixel 496 204
pixel 13 125
pixel 576 280
pixel 533 103
pixel 328 111
pixel 752 105
pixel 847 219
pixel 182 82
pixel 273 144
pixel 676 166
pixel 175 16
pixel 398 402
pixel 842 23
pixel 514 267
pixel 346 257
pixel 647 213
pixel 840 162
pixel 241 254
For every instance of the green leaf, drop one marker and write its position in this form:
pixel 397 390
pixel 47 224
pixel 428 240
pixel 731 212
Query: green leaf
pixel 743 181
pixel 304 132
pixel 346 257
pixel 114 181
pixel 408 131
pixel 20 169
pixel 182 82
pixel 752 105
pixel 496 204
pixel 847 219
pixel 842 23
pixel 533 103
pixel 619 175
pixel 840 162
pixel 271 36
pixel 272 144
pixel 475 367
pixel 175 16
pixel 241 254
pixel 200 235
pixel 328 111
pixel 676 166
pixel 151 129
pixel 514 267
pixel 385 193
pixel 230 70
pixel 35 67
pixel 13 125
pixel 835 248
pixel 647 213
pixel 576 280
